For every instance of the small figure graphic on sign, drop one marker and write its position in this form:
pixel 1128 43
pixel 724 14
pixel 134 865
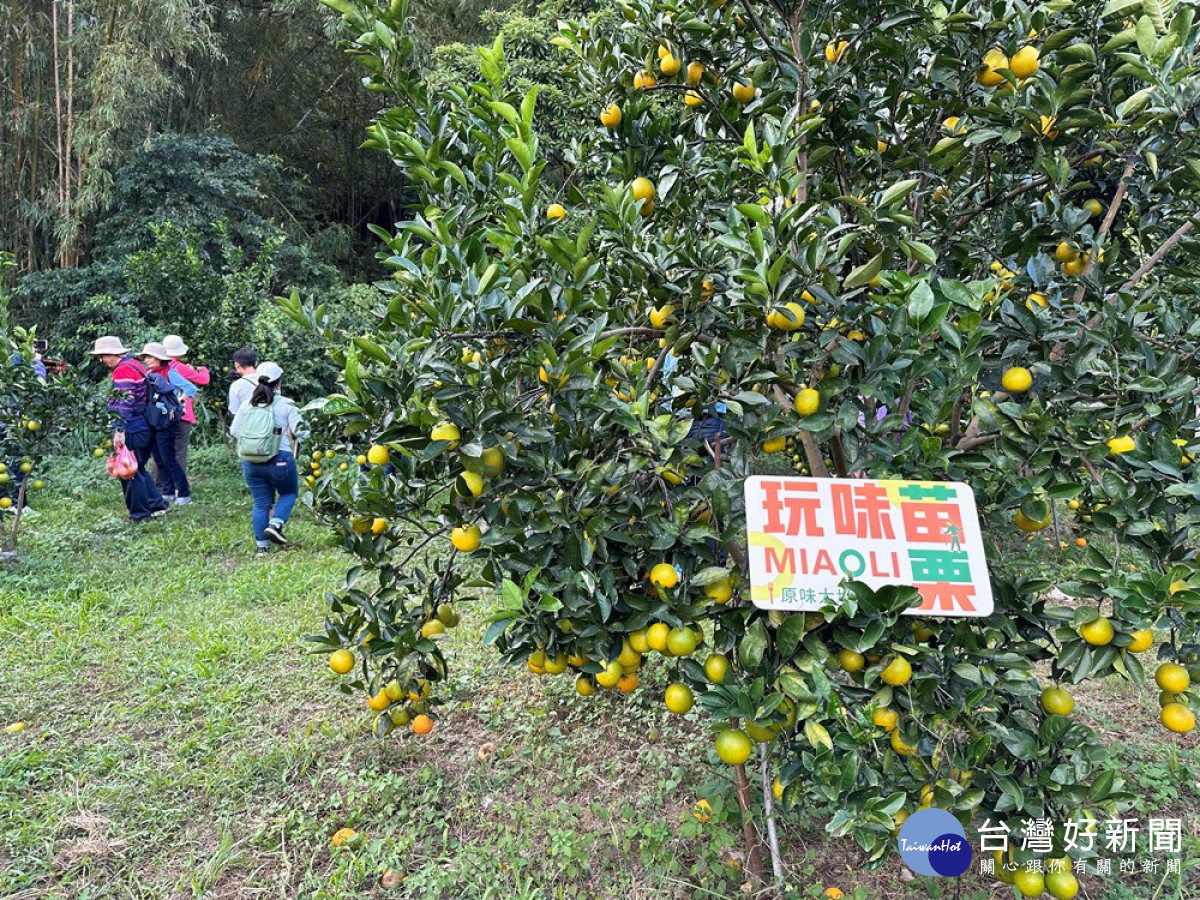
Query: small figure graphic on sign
pixel 952 531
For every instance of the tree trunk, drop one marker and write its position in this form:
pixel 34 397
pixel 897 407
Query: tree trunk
pixel 61 168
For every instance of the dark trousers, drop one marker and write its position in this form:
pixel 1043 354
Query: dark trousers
pixel 169 475
pixel 141 496
pixel 183 438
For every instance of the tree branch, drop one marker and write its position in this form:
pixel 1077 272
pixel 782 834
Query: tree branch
pixel 1109 217
pixel 997 199
pixel 1157 256
pixel 978 441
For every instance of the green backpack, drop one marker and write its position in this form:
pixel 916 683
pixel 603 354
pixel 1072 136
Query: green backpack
pixel 258 436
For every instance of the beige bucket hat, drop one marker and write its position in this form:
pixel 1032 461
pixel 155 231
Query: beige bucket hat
pixel 175 346
pixel 109 346
pixel 155 349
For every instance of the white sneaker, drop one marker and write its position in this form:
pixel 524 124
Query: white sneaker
pixel 183 501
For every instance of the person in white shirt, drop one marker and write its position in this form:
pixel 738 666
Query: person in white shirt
pixel 244 363
pixel 273 483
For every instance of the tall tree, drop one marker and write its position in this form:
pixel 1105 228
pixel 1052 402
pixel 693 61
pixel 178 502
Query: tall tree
pixel 82 82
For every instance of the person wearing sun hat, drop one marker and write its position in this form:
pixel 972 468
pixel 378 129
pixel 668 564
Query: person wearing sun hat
pixel 127 406
pixel 273 482
pixel 186 380
pixel 169 477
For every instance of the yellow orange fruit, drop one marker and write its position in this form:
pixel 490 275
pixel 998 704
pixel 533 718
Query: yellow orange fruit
pixel 678 698
pixel 807 402
pixel 611 116
pixel 885 718
pixel 1178 718
pixel 1057 701
pixel 644 80
pixel 898 672
pixel 744 91
pixel 1142 641
pixel 835 51
pixel 989 74
pixel 1025 62
pixel 1172 677
pixel 656 636
pixel 716 667
pixel 341 661
pixel 465 538
pixel 1119 445
pixel 734 746
pixel 446 431
pixel 664 575
pixel 1098 632
pixel 851 660
pixel 643 189
pixel 1017 380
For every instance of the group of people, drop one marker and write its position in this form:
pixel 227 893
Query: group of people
pixel 266 425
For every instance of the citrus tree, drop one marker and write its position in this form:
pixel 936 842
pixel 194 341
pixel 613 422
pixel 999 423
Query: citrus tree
pixel 36 414
pixel 941 242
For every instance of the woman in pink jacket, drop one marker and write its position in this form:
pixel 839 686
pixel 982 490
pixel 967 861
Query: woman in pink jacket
pixel 186 380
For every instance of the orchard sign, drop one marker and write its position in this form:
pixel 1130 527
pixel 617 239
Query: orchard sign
pixel 809 535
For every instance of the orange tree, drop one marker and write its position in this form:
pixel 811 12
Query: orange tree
pixel 36 414
pixel 942 242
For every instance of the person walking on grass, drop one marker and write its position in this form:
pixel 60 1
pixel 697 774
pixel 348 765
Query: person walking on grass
pixel 244 362
pixel 186 380
pixel 127 404
pixel 169 476
pixel 268 429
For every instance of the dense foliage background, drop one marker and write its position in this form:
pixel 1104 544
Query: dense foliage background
pixel 172 166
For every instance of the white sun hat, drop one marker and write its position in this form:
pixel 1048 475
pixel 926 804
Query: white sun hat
pixel 109 346
pixel 175 346
pixel 155 349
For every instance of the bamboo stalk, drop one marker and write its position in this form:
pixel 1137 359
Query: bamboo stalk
pixel 58 105
pixel 70 146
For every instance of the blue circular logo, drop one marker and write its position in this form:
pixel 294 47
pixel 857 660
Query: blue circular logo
pixel 933 842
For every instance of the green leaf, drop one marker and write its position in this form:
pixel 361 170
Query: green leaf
pixel 864 273
pixel 753 646
pixel 1159 12
pixel 511 596
pixel 920 301
pixel 709 575
pixel 1147 36
pixel 489 278
pixel 1020 743
pixel 817 735
pixel 1118 7
pixel 755 213
pixel 1147 383
pixel 898 191
pixel 919 251
pixel 790 634
pixel 1101 788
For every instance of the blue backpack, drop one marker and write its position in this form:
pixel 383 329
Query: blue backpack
pixel 163 406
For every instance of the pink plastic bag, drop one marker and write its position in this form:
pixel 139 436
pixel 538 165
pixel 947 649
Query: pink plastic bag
pixel 122 464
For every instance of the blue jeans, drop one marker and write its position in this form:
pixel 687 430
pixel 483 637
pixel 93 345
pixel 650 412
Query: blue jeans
pixel 267 481
pixel 171 477
pixel 141 496
pixel 708 428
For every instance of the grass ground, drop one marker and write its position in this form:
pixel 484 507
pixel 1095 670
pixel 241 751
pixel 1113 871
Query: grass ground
pixel 179 743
